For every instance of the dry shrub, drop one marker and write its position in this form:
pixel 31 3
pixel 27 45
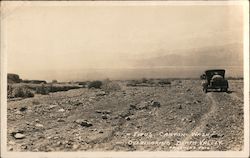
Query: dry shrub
pixel 22 92
pixel 140 82
pixel 164 82
pixel 95 84
pixel 13 78
pixel 133 83
pixel 110 86
pixel 42 90
pixel 9 91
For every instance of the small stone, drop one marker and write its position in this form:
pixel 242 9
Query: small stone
pixel 59 143
pixel 98 111
pixel 188 90
pixel 106 112
pixel 19 136
pixel 10 148
pixel 100 131
pixel 75 146
pixel 214 136
pixel 143 105
pixel 132 106
pixel 84 123
pixel 38 125
pixel 22 109
pixel 78 104
pixel 52 106
pixel 61 110
pixel 24 147
pixel 104 117
pixel 124 114
pixel 60 120
pixel 180 107
pixel 127 118
pixel 36 120
pixel 187 102
pixel 102 93
pixel 155 104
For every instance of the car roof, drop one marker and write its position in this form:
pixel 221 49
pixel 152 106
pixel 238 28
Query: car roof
pixel 211 70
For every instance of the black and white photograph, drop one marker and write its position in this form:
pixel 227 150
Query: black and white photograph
pixel 96 76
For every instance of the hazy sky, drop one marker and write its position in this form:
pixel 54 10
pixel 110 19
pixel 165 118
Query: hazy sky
pixel 47 42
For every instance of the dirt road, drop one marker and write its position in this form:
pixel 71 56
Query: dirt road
pixel 173 117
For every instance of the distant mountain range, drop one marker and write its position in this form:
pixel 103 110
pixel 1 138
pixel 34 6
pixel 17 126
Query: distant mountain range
pixel 225 55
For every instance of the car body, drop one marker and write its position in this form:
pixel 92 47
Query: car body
pixel 214 79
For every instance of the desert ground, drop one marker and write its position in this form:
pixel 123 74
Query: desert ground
pixel 171 117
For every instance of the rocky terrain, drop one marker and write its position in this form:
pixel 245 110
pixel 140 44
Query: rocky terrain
pixel 173 117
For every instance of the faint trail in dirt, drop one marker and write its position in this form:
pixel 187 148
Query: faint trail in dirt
pixel 234 96
pixel 201 124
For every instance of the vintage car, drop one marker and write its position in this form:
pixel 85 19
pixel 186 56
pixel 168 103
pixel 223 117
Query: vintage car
pixel 214 79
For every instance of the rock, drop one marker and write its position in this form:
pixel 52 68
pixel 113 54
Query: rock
pixel 61 110
pixel 19 136
pixel 75 146
pixel 197 101
pixel 60 120
pixel 36 120
pixel 24 147
pixel 10 148
pixel 180 107
pixel 187 102
pixel 214 136
pixel 132 106
pixel 52 106
pixel 84 123
pixel 124 114
pixel 188 90
pixel 59 143
pixel 22 109
pixel 155 104
pixel 106 112
pixel 100 131
pixel 38 125
pixel 103 111
pixel 98 111
pixel 127 118
pixel 101 93
pixel 143 105
pixel 77 103
pixel 104 117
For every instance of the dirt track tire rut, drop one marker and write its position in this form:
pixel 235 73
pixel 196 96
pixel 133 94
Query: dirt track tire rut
pixel 201 124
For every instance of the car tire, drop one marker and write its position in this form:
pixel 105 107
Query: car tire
pixel 205 90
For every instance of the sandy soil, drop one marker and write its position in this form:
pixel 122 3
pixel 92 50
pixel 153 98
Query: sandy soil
pixel 174 117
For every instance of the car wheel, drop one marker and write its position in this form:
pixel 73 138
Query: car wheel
pixel 205 90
